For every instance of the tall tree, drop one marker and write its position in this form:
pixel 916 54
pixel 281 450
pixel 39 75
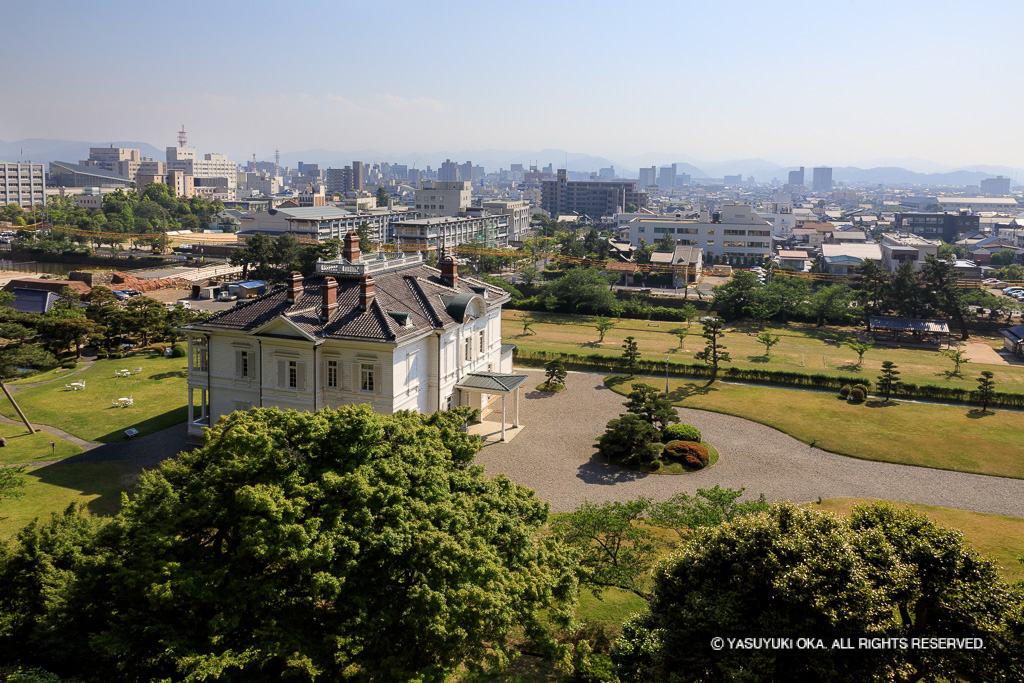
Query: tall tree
pixel 886 573
pixel 830 303
pixel 736 297
pixel 986 389
pixel 382 196
pixel 871 289
pixel 554 372
pixel 630 354
pixel 580 288
pixel 603 324
pixel 949 298
pixel 714 353
pixel 889 380
pixel 331 545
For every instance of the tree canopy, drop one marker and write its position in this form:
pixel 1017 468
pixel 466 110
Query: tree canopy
pixel 331 545
pixel 797 573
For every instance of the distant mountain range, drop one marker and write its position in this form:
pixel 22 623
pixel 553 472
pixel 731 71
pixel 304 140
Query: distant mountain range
pixel 929 173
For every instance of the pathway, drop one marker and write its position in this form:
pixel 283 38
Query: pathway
pixel 554 455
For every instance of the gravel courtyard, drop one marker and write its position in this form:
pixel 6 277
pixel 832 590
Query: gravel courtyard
pixel 554 455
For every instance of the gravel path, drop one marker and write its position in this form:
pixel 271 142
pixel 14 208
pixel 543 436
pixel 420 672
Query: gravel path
pixel 554 455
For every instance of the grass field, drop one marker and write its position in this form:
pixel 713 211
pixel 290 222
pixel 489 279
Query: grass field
pixel 994 536
pixel 802 348
pixel 997 537
pixel 53 487
pixel 945 437
pixel 159 394
pixel 23 447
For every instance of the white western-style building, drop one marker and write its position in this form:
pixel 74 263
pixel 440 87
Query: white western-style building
pixel 389 332
pixel 728 236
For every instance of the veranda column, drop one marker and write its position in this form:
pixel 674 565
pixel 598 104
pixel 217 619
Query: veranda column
pixel 503 415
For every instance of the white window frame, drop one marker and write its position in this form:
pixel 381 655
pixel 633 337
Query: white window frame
pixel 469 347
pixel 293 374
pixel 367 379
pixel 333 375
pixel 483 342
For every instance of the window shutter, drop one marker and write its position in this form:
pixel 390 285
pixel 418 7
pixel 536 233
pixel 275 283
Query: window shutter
pixel 282 374
pixel 356 380
pixel 300 376
pixel 238 364
pixel 378 377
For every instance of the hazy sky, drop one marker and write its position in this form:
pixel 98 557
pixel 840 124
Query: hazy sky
pixel 832 82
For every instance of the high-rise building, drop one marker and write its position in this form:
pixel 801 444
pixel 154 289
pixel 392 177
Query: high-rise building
pixel 593 198
pixel 123 161
pixel 822 179
pixel 995 187
pixel 441 198
pixel 667 176
pixel 357 175
pixel 449 172
pixel 796 178
pixel 22 184
pixel 648 177
pixel 607 173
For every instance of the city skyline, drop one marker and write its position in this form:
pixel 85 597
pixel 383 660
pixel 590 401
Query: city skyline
pixel 740 80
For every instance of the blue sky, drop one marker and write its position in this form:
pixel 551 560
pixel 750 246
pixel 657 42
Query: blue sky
pixel 795 82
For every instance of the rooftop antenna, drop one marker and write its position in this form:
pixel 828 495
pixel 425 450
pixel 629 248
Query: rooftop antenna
pixel 182 137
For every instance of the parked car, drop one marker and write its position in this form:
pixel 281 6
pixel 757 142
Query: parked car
pixel 120 294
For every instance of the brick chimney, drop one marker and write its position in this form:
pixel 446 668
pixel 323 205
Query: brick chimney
pixel 294 285
pixel 365 292
pixel 449 271
pixel 350 249
pixel 330 297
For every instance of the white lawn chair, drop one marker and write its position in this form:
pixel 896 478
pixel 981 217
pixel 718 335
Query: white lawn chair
pixel 138 370
pixel 68 387
pixel 115 403
pixel 130 401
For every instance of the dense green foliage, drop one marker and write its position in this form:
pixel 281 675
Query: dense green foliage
pixel 797 573
pixel 681 432
pixel 333 545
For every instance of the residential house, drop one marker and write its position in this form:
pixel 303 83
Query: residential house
pixel 843 259
pixel 685 263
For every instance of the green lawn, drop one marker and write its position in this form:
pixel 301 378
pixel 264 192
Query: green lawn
pixel 159 392
pixel 23 447
pixel 995 536
pixel 53 487
pixel 802 348
pixel 945 437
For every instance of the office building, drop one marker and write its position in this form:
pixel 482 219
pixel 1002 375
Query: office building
pixel 937 226
pixel 123 161
pixel 735 235
pixel 22 184
pixel 667 176
pixel 445 232
pixel 648 177
pixel 591 198
pixel 64 174
pixel 903 248
pixel 822 179
pixel 443 198
pixel 796 178
pixel 995 187
pixel 449 172
pixel 518 212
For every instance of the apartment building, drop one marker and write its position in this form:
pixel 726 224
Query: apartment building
pixel 937 226
pixel 734 235
pixel 22 184
pixel 897 249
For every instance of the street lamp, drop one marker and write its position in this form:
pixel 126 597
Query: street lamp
pixel 666 374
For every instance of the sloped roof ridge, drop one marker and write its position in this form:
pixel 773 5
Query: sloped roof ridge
pixel 383 318
pixel 276 289
pixel 412 282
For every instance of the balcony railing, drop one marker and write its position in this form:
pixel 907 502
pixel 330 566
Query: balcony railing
pixel 379 264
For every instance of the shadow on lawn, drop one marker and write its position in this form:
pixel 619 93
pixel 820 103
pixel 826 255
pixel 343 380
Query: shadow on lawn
pixel 168 375
pixel 600 471
pixel 105 480
pixel 976 414
pixel 148 426
pixel 759 359
pixel 880 403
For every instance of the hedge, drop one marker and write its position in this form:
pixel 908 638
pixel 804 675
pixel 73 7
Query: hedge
pixel 601 363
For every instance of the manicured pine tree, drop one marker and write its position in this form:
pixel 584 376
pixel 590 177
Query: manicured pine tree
pixel 889 380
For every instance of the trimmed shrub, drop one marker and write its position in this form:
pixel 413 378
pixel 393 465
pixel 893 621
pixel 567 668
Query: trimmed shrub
pixel 655 465
pixel 845 391
pixel 863 387
pixel 687 452
pixel 178 351
pixel 857 394
pixel 681 432
pixel 69 365
pixel 160 348
pixel 101 356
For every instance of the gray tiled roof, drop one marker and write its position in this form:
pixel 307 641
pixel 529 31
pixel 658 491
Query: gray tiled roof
pixel 492 381
pixel 418 291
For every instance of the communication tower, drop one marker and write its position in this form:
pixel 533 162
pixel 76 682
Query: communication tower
pixel 182 137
